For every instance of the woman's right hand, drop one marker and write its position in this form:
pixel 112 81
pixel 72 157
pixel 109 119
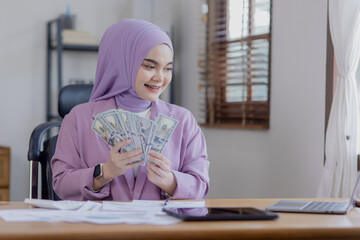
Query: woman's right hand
pixel 119 162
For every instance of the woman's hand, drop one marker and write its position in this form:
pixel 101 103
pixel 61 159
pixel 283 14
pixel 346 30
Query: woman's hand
pixel 159 172
pixel 119 162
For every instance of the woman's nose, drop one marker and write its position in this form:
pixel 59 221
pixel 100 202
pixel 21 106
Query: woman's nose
pixel 159 76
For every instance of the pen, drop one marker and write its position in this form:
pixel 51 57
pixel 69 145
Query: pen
pixel 167 200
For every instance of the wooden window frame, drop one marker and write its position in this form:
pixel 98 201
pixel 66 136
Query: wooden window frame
pixel 249 113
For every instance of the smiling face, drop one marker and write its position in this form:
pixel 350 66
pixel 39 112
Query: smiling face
pixel 155 73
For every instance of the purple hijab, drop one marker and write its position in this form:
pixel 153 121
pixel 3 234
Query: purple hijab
pixel 122 50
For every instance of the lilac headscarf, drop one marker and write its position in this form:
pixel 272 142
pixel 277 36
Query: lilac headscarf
pixel 122 50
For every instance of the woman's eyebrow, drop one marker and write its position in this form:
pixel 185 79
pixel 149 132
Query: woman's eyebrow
pixel 155 62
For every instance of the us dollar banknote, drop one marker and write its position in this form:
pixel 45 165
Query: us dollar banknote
pixel 146 129
pixel 115 125
pixel 106 132
pixel 166 127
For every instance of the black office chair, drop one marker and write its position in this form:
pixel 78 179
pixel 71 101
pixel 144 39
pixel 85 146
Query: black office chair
pixel 41 151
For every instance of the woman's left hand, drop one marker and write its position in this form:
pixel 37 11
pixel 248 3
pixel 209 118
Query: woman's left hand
pixel 159 172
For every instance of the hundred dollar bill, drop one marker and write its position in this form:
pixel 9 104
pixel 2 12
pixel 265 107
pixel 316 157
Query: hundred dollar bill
pixel 166 126
pixel 116 125
pixel 146 129
pixel 141 129
pixel 99 129
pixel 105 131
pixel 152 136
pixel 133 129
pixel 112 119
pixel 151 140
pixel 125 123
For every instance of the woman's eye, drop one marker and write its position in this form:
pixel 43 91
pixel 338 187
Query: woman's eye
pixel 169 69
pixel 149 66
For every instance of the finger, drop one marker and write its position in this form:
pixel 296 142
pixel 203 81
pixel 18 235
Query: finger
pixel 155 154
pixel 151 171
pixel 158 170
pixel 161 162
pixel 131 162
pixel 131 159
pixel 158 163
pixel 131 153
pixel 121 144
pixel 159 156
pixel 134 164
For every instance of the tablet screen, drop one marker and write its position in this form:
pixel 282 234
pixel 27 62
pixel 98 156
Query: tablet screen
pixel 227 213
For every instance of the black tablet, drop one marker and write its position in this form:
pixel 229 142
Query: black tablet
pixel 219 214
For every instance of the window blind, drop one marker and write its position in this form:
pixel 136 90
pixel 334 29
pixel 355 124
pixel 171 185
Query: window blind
pixel 235 65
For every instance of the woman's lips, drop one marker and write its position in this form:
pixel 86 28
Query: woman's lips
pixel 152 88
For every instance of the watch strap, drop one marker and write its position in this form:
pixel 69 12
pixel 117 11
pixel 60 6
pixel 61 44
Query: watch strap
pixel 103 180
pixel 100 176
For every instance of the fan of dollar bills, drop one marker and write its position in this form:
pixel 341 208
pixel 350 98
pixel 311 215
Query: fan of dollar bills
pixel 114 126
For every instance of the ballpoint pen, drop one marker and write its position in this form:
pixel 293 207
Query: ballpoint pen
pixel 167 200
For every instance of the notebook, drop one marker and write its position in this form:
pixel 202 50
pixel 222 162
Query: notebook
pixel 317 206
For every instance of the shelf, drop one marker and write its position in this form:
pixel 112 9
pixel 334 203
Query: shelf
pixel 87 48
pixel 54 29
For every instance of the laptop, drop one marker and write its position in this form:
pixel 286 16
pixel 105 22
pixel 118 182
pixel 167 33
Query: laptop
pixel 317 206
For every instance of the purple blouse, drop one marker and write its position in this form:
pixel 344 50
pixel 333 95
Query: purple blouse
pixel 79 150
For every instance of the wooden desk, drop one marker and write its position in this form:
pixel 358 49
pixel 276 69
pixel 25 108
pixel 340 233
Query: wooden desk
pixel 288 226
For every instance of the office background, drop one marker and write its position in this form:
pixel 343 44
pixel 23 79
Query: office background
pixel 284 161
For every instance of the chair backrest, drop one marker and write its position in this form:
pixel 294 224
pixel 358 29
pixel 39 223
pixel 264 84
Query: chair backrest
pixel 41 150
pixel 72 95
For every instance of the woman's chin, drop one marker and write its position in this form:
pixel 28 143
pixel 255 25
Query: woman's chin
pixel 151 98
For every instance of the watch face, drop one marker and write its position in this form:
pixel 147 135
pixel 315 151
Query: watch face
pixel 97 171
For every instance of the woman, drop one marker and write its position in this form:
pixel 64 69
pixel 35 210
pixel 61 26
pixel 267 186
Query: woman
pixel 134 67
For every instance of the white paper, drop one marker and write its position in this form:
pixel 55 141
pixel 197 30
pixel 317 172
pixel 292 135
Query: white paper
pixel 155 206
pixel 108 212
pixel 88 207
pixel 35 215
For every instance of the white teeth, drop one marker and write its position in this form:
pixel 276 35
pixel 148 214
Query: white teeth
pixel 153 87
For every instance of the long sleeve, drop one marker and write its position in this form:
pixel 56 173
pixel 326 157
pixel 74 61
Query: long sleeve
pixel 193 177
pixel 188 154
pixel 79 150
pixel 73 177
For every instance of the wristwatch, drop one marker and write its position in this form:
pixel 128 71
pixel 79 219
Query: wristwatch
pixel 98 174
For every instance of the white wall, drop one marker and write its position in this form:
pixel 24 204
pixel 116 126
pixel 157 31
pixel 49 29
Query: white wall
pixel 285 160
pixel 22 68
